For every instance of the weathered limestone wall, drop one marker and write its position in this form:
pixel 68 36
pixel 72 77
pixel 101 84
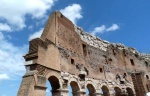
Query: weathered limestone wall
pixel 66 55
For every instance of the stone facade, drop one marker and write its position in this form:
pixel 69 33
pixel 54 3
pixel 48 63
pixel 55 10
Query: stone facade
pixel 66 55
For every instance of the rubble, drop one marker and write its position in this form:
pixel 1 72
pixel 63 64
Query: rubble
pixel 103 44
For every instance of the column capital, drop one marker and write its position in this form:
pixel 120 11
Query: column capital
pixel 40 87
pixel 60 92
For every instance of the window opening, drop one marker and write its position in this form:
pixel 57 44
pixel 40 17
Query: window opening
pixel 132 62
pixel 84 49
pixel 147 76
pixel 114 51
pixel 72 61
pixel 101 70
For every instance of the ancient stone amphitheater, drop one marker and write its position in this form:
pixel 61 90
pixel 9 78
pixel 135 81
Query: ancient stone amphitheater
pixel 66 55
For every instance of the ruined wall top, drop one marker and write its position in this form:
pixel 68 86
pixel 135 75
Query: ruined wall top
pixel 103 44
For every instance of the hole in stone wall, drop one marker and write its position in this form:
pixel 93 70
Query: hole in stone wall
pixel 132 62
pixel 114 51
pixel 101 70
pixel 110 59
pixel 82 77
pixel 146 64
pixel 147 77
pixel 72 61
pixel 61 16
pixel 84 49
pixel 124 52
pixel 121 82
pixel 125 74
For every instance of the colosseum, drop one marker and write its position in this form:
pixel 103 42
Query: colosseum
pixel 65 55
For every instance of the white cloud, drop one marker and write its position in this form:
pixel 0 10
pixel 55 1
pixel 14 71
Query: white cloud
pixel 103 29
pixel 11 60
pixel 100 29
pixel 112 28
pixel 72 12
pixel 5 27
pixel 4 77
pixel 36 34
pixel 14 11
pixel 30 27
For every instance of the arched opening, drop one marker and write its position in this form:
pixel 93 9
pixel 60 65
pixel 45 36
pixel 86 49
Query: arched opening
pixel 130 91
pixel 75 88
pixel 54 82
pixel 117 91
pixel 48 89
pixel 105 91
pixel 91 90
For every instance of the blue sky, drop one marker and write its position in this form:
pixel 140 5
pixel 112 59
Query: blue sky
pixel 117 21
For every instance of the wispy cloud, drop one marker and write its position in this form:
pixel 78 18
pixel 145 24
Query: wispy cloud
pixel 113 28
pixel 103 29
pixel 72 12
pixel 11 59
pixel 35 34
pixel 100 29
pixel 5 27
pixel 14 12
pixel 4 77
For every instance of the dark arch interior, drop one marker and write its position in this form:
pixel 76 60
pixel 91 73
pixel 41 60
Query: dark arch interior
pixel 117 91
pixel 130 92
pixel 91 89
pixel 75 88
pixel 105 91
pixel 54 82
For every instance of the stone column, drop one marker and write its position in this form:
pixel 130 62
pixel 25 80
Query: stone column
pixel 97 94
pixel 27 85
pixel 40 89
pixel 60 92
pixel 111 92
pixel 79 93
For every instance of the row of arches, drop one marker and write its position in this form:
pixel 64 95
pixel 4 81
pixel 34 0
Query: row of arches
pixel 74 89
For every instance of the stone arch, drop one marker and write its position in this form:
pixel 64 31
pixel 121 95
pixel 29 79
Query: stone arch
pixel 74 85
pixel 117 91
pixel 73 79
pixel 130 91
pixel 91 87
pixel 54 82
pixel 54 74
pixel 75 88
pixel 105 90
